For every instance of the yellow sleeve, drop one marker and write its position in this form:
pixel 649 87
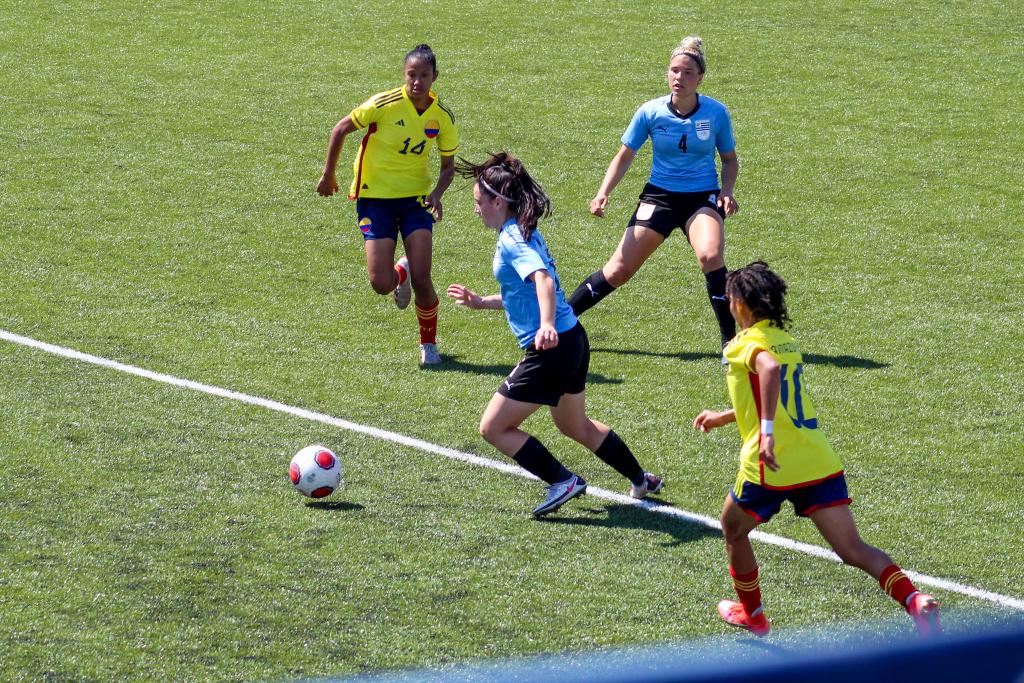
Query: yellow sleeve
pixel 366 113
pixel 750 357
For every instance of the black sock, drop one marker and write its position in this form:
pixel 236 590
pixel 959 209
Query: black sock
pixel 590 291
pixel 715 281
pixel 616 453
pixel 538 461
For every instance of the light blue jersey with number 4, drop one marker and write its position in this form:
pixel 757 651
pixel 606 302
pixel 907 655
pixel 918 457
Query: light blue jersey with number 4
pixel 684 143
pixel 515 260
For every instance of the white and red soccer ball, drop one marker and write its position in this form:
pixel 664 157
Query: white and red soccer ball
pixel 315 472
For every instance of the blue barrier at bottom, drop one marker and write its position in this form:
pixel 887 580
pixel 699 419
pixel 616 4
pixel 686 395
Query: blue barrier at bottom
pixel 985 655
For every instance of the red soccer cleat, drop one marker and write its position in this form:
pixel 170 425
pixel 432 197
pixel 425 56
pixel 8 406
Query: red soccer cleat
pixel 924 610
pixel 734 615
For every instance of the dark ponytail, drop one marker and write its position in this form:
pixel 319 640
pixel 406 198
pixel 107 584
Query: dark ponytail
pixel 761 290
pixel 503 175
pixel 422 51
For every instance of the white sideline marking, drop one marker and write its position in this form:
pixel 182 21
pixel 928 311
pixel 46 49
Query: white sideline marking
pixel 667 510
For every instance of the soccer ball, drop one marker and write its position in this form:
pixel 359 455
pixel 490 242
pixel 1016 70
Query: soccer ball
pixel 315 471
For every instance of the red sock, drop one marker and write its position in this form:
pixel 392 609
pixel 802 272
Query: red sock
pixel 894 582
pixel 428 323
pixel 402 274
pixel 748 588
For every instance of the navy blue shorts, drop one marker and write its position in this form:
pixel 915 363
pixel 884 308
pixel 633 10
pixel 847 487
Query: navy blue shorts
pixel 384 218
pixel 762 503
pixel 545 376
pixel 663 210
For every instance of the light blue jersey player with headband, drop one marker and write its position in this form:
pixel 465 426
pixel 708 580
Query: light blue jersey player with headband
pixel 515 260
pixel 553 370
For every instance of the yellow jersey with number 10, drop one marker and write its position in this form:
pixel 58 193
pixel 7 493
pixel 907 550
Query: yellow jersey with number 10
pixel 803 453
pixel 392 158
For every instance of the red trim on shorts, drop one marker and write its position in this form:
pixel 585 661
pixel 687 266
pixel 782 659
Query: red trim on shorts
pixel 835 503
pixel 362 158
pixel 759 518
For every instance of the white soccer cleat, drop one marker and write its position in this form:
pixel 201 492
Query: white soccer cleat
pixel 559 493
pixel 403 292
pixel 652 484
pixel 429 354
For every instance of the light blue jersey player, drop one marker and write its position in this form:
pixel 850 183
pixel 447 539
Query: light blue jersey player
pixel 684 143
pixel 515 261
pixel 686 130
pixel 553 371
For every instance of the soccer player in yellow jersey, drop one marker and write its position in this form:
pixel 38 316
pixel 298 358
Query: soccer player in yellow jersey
pixel 785 456
pixel 391 186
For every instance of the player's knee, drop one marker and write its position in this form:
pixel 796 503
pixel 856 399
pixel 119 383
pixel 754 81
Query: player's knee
pixel 729 531
pixel 383 283
pixel 732 532
pixel 617 273
pixel 574 430
pixel 854 554
pixel 710 261
pixel 423 286
pixel 489 431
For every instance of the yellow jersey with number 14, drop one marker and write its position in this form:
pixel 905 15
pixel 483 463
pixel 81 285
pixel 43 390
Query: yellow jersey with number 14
pixel 803 453
pixel 392 158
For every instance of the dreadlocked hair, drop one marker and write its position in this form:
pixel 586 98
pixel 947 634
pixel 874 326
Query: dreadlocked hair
pixel 762 290
pixel 504 175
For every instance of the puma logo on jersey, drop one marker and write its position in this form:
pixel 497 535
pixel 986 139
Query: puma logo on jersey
pixel 509 385
pixel 590 288
pixel 719 298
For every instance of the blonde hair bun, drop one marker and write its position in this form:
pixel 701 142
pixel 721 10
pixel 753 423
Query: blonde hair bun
pixel 693 47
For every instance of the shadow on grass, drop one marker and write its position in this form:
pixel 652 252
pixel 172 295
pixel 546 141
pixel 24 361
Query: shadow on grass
pixel 453 364
pixel 810 359
pixel 633 517
pixel 334 505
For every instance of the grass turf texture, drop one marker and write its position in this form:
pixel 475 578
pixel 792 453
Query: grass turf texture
pixel 158 209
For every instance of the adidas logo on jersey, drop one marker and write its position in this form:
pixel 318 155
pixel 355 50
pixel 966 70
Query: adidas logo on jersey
pixel 400 122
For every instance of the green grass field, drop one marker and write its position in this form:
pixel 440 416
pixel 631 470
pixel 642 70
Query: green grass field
pixel 158 208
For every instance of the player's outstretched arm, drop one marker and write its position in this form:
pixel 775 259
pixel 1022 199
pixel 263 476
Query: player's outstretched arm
pixel 616 169
pixel 712 419
pixel 464 296
pixel 444 179
pixel 328 183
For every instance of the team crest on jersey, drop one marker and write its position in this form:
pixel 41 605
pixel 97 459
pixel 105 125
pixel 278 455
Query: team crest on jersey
pixel 432 129
pixel 366 225
pixel 703 129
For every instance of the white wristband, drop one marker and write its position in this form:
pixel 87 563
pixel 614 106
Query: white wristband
pixel 767 427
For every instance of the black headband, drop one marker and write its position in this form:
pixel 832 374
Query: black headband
pixel 697 57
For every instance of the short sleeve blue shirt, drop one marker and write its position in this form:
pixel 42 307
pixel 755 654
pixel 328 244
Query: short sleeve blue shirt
pixel 684 144
pixel 515 260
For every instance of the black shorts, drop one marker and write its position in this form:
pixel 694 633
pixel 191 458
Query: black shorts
pixel 663 211
pixel 544 376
